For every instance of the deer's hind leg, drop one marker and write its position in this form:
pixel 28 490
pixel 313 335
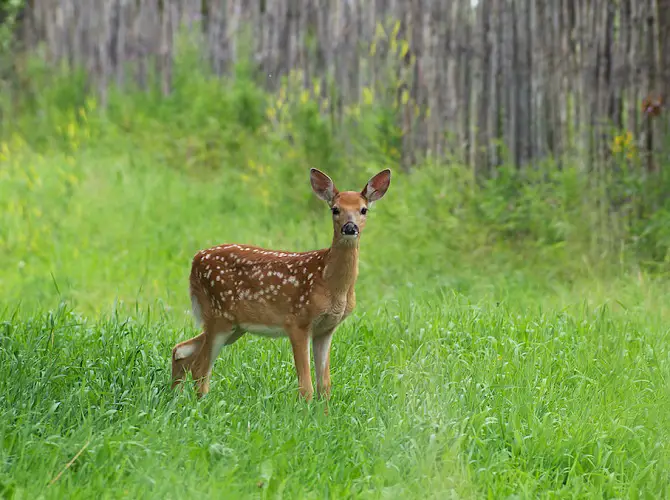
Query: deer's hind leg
pixel 198 354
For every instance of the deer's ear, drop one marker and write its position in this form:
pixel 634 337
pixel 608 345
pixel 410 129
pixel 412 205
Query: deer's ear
pixel 322 185
pixel 377 186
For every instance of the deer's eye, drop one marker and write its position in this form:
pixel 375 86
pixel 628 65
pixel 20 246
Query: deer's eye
pixel 335 210
pixel 364 210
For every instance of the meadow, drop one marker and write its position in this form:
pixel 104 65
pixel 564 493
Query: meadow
pixel 495 352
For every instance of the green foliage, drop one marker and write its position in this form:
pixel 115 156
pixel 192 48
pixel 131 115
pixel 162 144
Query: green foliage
pixel 9 10
pixel 527 206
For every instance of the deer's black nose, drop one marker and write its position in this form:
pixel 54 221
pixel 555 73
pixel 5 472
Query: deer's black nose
pixel 350 229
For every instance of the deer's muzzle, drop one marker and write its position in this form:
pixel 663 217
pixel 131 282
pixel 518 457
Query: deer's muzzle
pixel 350 229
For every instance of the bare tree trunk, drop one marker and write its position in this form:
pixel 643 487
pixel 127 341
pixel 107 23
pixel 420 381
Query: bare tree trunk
pixel 664 32
pixel 527 89
pixel 495 109
pixel 517 103
pixel 481 163
pixel 166 56
pixel 650 63
pixel 466 79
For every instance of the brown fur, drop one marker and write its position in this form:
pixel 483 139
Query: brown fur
pixel 302 295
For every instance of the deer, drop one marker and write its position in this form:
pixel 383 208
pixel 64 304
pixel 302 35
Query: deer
pixel 237 289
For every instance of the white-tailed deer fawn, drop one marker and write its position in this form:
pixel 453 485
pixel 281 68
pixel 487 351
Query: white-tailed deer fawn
pixel 305 296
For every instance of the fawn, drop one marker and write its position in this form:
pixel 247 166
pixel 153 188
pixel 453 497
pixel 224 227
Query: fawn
pixel 241 288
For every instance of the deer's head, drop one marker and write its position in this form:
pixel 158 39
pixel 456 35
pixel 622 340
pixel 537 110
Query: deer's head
pixel 349 208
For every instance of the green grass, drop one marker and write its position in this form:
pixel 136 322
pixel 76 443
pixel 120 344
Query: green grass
pixel 473 366
pixel 432 397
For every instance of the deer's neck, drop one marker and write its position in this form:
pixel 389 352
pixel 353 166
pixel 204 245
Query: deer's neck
pixel 341 266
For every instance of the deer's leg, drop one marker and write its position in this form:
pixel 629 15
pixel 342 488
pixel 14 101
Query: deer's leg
pixel 183 356
pixel 199 354
pixel 299 337
pixel 321 347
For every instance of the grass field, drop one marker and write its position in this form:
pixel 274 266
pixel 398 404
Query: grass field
pixel 470 368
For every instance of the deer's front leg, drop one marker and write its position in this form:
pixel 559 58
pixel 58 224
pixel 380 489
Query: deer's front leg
pixel 321 346
pixel 299 337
